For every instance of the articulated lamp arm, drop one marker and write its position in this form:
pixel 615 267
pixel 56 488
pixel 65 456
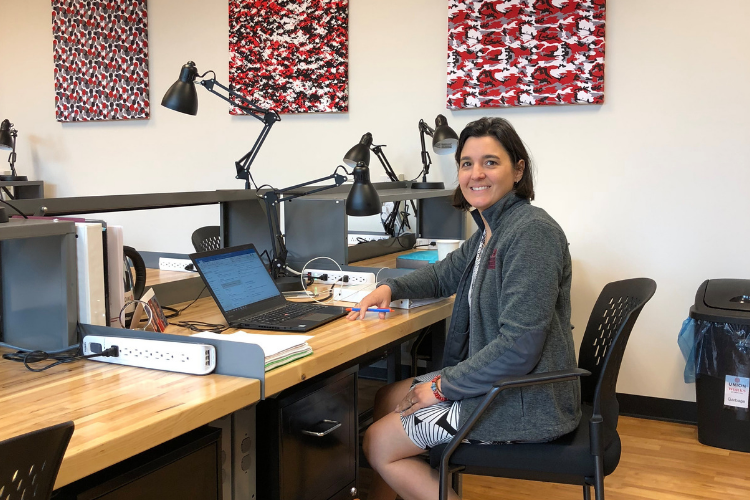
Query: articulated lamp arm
pixel 268 117
pixel 275 196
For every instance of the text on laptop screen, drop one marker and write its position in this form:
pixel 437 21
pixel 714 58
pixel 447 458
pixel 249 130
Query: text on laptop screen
pixel 237 278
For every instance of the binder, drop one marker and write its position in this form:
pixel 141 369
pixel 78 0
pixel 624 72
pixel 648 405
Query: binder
pixel 115 274
pixel 92 306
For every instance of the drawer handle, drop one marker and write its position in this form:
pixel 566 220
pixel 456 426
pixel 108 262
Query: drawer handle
pixel 327 431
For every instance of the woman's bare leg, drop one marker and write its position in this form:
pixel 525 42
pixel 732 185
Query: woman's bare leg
pixel 393 456
pixel 386 400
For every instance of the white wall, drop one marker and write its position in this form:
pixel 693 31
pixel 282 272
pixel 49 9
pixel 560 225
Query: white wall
pixel 652 183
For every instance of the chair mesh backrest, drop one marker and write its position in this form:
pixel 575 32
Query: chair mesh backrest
pixel 29 463
pixel 206 238
pixel 604 341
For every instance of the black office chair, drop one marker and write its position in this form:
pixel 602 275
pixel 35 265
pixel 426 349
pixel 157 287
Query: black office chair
pixel 206 238
pixel 590 452
pixel 29 463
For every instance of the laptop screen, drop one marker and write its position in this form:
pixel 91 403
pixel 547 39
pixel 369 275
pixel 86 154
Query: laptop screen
pixel 237 278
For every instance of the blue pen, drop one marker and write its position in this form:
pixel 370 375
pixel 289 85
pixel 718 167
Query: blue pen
pixel 357 309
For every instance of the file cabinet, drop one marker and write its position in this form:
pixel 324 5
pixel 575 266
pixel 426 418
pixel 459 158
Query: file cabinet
pixel 308 441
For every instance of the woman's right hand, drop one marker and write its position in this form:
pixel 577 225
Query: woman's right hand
pixel 380 298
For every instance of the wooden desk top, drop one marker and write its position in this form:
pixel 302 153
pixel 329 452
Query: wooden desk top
pixel 118 411
pixel 334 344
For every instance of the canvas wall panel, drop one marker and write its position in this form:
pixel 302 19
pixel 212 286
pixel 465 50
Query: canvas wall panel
pixel 101 59
pixel 525 52
pixel 290 55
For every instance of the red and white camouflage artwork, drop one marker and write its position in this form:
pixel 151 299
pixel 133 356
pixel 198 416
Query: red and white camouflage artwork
pixel 290 56
pixel 101 59
pixel 525 52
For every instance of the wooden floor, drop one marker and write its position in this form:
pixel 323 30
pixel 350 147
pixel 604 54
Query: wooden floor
pixel 660 460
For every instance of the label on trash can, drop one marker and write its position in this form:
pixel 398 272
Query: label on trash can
pixel 736 391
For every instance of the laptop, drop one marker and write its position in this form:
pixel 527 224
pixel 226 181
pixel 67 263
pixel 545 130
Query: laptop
pixel 248 297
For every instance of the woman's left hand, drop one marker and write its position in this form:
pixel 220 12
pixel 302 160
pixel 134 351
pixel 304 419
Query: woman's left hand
pixel 419 396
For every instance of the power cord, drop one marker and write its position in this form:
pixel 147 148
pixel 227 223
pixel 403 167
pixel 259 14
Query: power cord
pixel 177 312
pixel 29 357
pixel 14 208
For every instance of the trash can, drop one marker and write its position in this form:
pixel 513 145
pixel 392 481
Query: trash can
pixel 722 363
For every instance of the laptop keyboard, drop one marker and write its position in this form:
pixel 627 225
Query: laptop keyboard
pixel 289 311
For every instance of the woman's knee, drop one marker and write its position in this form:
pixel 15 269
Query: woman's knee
pixel 388 397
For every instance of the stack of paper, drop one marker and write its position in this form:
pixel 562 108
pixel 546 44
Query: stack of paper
pixel 278 349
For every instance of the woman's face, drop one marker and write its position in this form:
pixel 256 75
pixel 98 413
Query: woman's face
pixel 486 172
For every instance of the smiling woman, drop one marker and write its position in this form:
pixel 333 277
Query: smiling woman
pixel 511 316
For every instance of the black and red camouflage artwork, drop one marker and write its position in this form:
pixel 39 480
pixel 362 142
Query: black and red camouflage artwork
pixel 525 52
pixel 101 59
pixel 290 55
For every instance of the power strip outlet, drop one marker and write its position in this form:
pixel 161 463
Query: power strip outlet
pixel 182 265
pixel 183 357
pixel 353 239
pixel 337 277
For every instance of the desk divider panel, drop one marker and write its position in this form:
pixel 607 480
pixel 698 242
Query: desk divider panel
pixel 232 358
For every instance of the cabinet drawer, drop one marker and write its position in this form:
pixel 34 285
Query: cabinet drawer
pixel 307 441
pixel 318 445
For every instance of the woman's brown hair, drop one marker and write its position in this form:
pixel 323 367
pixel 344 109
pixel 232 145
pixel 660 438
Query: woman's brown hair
pixel 506 135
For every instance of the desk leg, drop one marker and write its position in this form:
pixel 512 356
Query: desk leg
pixel 238 453
pixel 394 365
pixel 439 331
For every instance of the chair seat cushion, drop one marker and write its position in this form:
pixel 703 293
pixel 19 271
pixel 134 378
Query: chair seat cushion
pixel 567 459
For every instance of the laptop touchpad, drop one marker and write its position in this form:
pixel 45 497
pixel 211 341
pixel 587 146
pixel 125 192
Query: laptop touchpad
pixel 314 317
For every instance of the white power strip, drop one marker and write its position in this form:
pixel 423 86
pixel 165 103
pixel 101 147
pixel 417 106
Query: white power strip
pixel 183 357
pixel 349 295
pixel 353 239
pixel 337 277
pixel 167 264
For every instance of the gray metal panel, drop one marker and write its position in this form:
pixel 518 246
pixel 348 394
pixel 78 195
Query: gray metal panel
pixel 39 292
pixel 33 228
pixel 385 194
pixel 245 222
pixel 232 358
pixel 438 219
pixel 126 202
pixel 315 228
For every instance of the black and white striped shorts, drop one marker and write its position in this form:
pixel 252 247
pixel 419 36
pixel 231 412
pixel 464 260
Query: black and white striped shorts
pixel 435 424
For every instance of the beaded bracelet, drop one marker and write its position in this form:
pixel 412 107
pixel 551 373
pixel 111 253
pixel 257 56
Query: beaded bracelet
pixel 436 391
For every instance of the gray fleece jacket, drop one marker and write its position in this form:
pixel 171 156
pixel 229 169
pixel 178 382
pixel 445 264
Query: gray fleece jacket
pixel 518 323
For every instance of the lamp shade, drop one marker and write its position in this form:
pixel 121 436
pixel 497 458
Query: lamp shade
pixel 182 96
pixel 6 140
pixel 445 139
pixel 360 153
pixel 363 198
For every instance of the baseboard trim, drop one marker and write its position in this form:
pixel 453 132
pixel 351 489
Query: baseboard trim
pixel 670 410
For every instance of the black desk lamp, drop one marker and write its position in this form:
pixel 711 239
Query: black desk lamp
pixel 8 136
pixel 360 153
pixel 444 142
pixel 182 97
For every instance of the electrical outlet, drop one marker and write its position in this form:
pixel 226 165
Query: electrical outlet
pixel 166 264
pixel 337 277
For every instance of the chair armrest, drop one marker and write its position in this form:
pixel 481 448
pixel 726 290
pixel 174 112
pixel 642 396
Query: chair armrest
pixel 497 387
pixel 540 378
pixel 509 383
